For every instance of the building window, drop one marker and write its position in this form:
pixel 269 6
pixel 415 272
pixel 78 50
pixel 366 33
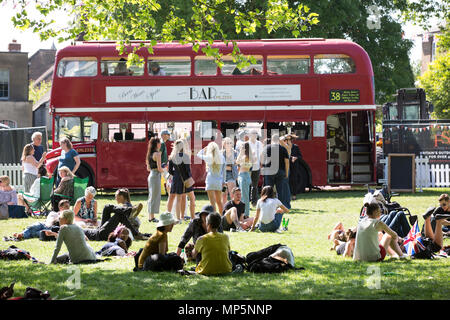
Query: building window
pixel 4 84
pixel 433 48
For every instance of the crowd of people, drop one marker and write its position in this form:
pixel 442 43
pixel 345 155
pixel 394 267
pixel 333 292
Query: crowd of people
pixel 231 173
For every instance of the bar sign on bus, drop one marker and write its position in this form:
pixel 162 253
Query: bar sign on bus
pixel 344 96
pixel 203 93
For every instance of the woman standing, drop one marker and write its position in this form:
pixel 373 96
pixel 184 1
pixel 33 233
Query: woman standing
pixel 8 196
pixel 295 177
pixel 180 170
pixel 30 166
pixel 69 158
pixel 85 209
pixel 245 162
pixel 215 178
pixel 231 169
pixel 153 161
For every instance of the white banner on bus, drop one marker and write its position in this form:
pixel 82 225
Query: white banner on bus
pixel 203 93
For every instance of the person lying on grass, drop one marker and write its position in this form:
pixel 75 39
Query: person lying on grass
pixel 158 243
pixel 34 230
pixel 118 243
pixel 435 220
pixel 269 212
pixel 343 240
pixel 75 241
pixel 371 245
pixel 113 215
pixel 214 248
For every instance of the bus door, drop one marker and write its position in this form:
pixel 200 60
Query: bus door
pixel 121 153
pixel 350 147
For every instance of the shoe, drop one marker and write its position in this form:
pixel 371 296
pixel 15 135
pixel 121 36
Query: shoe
pixel 412 220
pixel 279 231
pixel 239 269
pixel 186 218
pixel 154 220
pixel 140 236
pixel 136 210
pixel 442 216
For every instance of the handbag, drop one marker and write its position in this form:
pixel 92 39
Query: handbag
pixel 189 182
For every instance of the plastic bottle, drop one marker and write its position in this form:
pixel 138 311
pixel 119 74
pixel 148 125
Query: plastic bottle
pixel 183 256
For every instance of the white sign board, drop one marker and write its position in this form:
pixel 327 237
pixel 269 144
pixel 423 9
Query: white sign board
pixel 319 128
pixel 203 93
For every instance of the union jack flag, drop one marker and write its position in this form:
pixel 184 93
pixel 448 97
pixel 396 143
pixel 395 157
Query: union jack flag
pixel 413 241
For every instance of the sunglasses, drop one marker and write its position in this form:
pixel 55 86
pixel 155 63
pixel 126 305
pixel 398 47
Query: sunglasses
pixel 444 205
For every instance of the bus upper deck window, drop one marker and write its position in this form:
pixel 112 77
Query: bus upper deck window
pixel 333 63
pixel 288 64
pixel 205 66
pixel 77 67
pixel 230 67
pixel 118 67
pixel 169 66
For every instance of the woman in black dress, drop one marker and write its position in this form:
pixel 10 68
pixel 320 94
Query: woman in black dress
pixel 180 169
pixel 295 175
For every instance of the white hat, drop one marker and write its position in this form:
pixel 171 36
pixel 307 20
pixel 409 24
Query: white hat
pixel 286 253
pixel 166 219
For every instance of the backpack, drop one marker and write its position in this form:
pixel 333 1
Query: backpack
pixel 237 259
pixel 163 262
pixel 262 262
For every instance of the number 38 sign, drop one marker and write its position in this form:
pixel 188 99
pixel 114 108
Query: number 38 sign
pixel 344 96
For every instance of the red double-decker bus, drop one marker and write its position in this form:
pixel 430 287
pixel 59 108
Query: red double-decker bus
pixel 322 90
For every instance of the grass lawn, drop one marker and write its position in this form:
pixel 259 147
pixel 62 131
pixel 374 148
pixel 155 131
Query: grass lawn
pixel 313 215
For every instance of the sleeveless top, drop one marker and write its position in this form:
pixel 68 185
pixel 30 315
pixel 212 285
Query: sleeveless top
pixel 153 163
pixel 29 168
pixel 366 244
pixel 85 212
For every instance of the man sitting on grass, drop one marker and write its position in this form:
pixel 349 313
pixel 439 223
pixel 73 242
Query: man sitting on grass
pixel 233 213
pixel 35 229
pixel 214 248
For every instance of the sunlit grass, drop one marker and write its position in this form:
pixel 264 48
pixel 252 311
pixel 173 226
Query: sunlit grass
pixel 326 275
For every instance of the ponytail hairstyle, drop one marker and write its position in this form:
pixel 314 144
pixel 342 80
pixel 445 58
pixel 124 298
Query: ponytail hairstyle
pixel 27 151
pixel 371 208
pixel 267 192
pixel 124 193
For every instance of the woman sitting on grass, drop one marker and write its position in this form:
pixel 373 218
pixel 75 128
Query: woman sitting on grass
pixel 118 243
pixel 8 197
pixel 85 209
pixel 73 236
pixel 269 212
pixel 371 245
pixel 158 243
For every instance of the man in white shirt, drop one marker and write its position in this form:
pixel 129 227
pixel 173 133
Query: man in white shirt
pixel 256 147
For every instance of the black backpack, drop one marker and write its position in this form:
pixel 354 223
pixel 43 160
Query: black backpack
pixel 263 253
pixel 237 259
pixel 163 262
pixel 269 265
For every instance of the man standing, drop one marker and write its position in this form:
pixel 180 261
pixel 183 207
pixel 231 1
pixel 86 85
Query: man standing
pixel 165 135
pixel 38 148
pixel 256 147
pixel 275 168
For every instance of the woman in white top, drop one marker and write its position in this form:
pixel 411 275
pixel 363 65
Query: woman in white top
pixel 371 245
pixel 245 162
pixel 269 211
pixel 30 166
pixel 35 191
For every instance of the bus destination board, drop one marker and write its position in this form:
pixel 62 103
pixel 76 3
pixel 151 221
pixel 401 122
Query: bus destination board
pixel 344 96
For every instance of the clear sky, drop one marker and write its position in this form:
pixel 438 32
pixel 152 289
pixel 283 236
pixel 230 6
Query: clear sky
pixel 31 42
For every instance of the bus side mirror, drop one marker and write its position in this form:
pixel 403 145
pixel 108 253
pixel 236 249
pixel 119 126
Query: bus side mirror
pixel 94 131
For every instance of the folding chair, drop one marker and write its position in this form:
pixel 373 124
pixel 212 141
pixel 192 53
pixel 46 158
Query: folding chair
pixel 79 187
pixel 42 205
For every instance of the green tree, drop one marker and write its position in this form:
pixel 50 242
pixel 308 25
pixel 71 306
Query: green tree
pixel 189 21
pixel 36 92
pixel 436 80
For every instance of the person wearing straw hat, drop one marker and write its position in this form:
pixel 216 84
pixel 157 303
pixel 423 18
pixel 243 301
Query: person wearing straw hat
pixel 158 242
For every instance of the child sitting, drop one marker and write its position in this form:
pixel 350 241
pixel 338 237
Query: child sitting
pixel 371 245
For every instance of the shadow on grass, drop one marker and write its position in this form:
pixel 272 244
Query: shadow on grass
pixel 322 279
